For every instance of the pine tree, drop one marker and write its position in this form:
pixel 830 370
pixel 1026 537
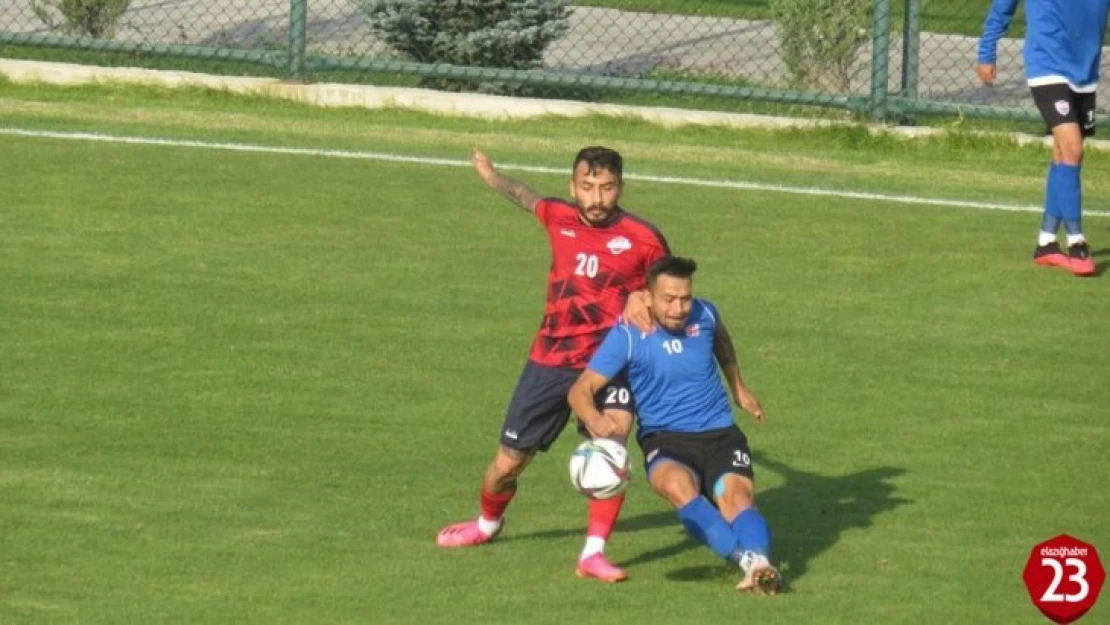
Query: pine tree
pixel 508 34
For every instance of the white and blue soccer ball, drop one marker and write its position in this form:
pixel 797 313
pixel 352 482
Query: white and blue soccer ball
pixel 599 468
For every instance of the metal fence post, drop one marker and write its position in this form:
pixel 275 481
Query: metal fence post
pixel 298 25
pixel 911 54
pixel 880 59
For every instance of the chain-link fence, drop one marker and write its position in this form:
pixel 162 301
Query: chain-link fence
pixel 886 58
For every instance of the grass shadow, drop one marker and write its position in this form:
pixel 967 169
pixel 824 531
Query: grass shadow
pixel 807 514
pixel 651 520
pixel 1101 266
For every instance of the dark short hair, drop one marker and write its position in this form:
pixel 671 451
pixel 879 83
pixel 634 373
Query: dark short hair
pixel 673 266
pixel 598 158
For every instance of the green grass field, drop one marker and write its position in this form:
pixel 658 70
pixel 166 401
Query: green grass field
pixel 939 16
pixel 250 387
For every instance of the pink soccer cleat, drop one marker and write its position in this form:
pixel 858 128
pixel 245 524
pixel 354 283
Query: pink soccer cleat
pixel 1079 259
pixel 1051 256
pixel 465 534
pixel 599 567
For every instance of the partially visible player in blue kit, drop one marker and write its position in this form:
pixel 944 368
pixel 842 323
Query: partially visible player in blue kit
pixel 1063 46
pixel 696 456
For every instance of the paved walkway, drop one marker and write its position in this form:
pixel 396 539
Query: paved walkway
pixel 600 41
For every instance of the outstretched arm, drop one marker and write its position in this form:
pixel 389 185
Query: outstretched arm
pixel 995 26
pixel 515 191
pixel 725 352
pixel 581 400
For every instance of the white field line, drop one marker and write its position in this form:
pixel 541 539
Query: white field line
pixel 447 162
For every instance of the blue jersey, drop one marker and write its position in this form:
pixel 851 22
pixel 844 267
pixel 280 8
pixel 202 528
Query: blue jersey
pixel 673 375
pixel 1063 40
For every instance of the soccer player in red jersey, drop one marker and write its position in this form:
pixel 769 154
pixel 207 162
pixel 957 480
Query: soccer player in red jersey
pixel 600 254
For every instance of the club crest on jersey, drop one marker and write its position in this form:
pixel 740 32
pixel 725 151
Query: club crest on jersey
pixel 693 330
pixel 1062 107
pixel 617 245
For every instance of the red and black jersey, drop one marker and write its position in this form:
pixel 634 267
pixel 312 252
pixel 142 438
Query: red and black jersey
pixel 593 269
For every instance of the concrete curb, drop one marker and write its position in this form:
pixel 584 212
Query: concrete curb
pixel 437 102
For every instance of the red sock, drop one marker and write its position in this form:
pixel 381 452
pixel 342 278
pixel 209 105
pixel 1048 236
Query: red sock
pixel 603 516
pixel 493 506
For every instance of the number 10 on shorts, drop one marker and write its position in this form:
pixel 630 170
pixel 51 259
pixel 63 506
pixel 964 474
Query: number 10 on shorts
pixel 1064 576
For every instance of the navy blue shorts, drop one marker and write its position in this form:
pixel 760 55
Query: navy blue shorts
pixel 539 411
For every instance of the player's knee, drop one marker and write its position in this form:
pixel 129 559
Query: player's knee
pixel 735 490
pixel 509 470
pixel 1071 155
pixel 508 464
pixel 674 483
pixel 1068 149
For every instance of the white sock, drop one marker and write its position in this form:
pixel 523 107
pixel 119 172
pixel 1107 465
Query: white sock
pixel 488 527
pixel 594 544
pixel 1075 238
pixel 1044 238
pixel 751 560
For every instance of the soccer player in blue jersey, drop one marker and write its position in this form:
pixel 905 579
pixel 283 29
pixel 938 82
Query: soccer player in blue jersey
pixel 696 457
pixel 1063 47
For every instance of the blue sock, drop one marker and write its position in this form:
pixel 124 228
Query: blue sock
pixel 750 530
pixel 1064 196
pixel 1050 223
pixel 706 524
pixel 1051 190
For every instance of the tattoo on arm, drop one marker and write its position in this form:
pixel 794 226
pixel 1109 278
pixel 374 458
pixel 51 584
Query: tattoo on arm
pixel 725 352
pixel 517 192
pixel 723 348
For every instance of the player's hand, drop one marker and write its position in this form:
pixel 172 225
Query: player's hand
pixel 986 72
pixel 602 427
pixel 750 403
pixel 637 311
pixel 483 165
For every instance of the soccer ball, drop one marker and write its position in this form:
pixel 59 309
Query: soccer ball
pixel 599 468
